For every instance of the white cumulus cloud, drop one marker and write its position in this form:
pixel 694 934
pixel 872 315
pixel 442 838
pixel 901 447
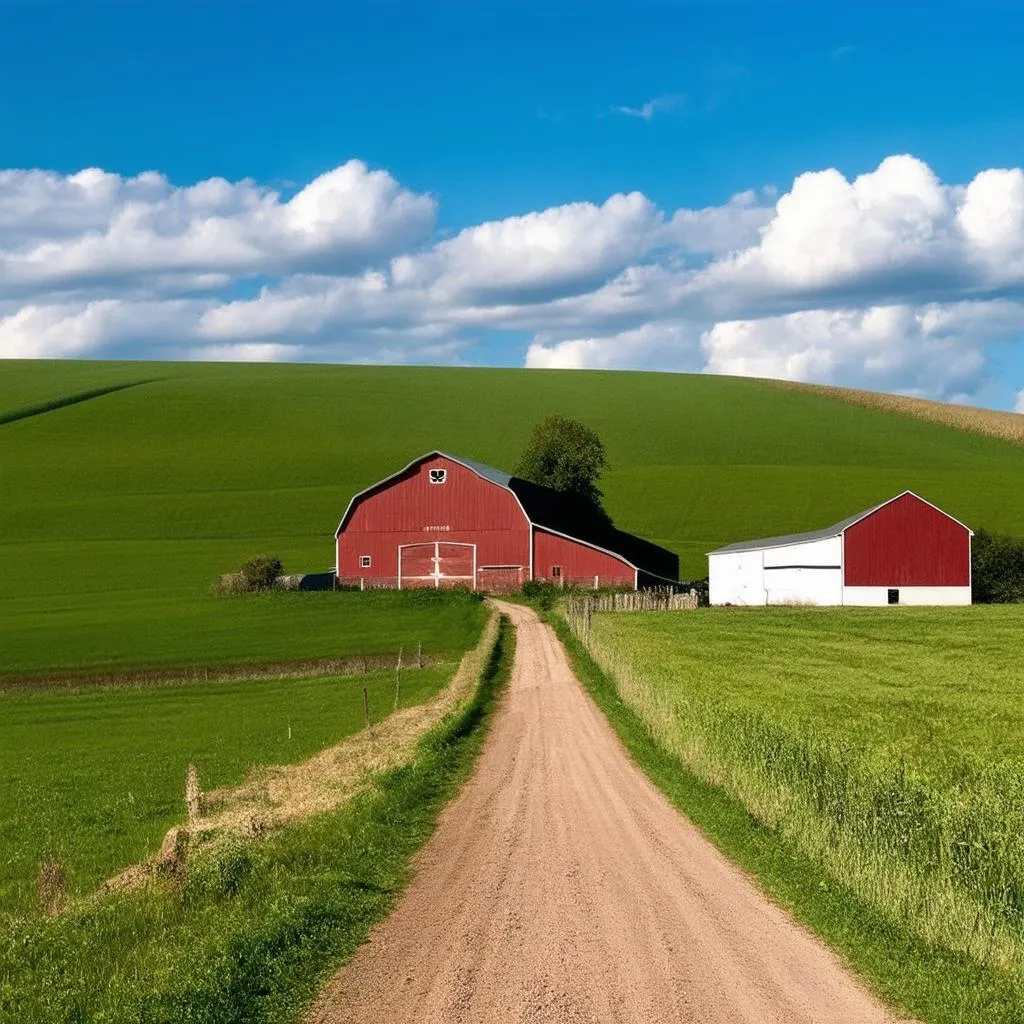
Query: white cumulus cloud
pixel 555 251
pixel 890 279
pixel 930 350
pixel 656 346
pixel 98 230
pixel 247 352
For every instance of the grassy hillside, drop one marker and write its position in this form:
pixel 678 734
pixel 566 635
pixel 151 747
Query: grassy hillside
pixel 120 508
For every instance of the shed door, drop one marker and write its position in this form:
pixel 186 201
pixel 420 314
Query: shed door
pixel 437 564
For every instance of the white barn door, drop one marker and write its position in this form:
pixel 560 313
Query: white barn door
pixel 437 564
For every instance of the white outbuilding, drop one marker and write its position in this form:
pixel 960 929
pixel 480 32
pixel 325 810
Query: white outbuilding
pixel 903 551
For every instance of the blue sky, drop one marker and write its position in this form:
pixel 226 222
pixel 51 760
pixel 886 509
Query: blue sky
pixel 486 112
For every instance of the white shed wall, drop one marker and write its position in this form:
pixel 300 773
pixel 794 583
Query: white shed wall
pixel 804 586
pixel 828 552
pixel 876 596
pixel 736 577
pixel 807 573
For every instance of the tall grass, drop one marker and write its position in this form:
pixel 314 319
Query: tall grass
pixel 932 843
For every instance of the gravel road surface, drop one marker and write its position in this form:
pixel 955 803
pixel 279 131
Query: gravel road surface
pixel 561 886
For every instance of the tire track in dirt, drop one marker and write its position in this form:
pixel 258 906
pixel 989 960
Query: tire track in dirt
pixel 562 886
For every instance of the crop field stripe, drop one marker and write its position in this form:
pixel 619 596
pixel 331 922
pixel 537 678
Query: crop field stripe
pixel 930 983
pixel 183 675
pixel 63 401
pixel 256 931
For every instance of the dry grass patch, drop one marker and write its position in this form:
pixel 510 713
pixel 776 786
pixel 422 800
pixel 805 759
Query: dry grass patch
pixel 1007 426
pixel 281 794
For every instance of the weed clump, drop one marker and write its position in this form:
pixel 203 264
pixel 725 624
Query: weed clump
pixel 52 886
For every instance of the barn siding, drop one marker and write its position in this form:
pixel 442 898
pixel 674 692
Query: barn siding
pixel 907 543
pixel 578 562
pixel 410 510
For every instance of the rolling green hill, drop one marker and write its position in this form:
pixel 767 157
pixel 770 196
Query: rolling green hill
pixel 119 508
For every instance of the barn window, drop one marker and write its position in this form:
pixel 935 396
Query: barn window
pixel 365 561
pixel 894 597
pixel 438 476
pixel 556 571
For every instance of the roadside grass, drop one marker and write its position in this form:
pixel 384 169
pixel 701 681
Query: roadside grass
pixel 252 934
pixel 94 778
pixel 122 630
pixel 863 767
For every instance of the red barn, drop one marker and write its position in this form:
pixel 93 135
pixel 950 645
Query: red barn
pixel 904 551
pixel 445 521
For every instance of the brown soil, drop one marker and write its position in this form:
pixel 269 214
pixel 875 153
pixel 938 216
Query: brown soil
pixel 562 886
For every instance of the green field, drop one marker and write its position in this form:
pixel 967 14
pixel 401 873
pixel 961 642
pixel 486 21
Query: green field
pixel 123 631
pixel 884 748
pixel 118 511
pixel 94 778
pixel 252 930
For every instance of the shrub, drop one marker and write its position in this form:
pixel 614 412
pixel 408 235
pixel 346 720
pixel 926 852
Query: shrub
pixel 997 568
pixel 230 583
pixel 260 571
pixel 542 593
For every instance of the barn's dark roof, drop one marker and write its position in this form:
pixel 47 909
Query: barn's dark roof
pixel 496 476
pixel 561 513
pixel 576 519
pixel 825 534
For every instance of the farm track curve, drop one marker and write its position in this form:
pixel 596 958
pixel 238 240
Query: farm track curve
pixel 561 885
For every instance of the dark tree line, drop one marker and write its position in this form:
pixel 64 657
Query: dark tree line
pixel 997 568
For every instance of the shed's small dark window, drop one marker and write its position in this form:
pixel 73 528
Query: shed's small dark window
pixel 894 597
pixel 438 476
pixel 365 561
pixel 556 571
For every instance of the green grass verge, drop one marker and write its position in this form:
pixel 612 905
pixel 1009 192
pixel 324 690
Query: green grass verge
pixel 252 935
pixel 95 778
pixel 921 978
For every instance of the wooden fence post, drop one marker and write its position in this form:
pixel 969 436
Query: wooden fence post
pixel 398 676
pixel 366 709
pixel 193 795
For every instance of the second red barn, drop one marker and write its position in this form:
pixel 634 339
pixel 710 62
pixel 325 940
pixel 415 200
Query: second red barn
pixel 904 551
pixel 445 521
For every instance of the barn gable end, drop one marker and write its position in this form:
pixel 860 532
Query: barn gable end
pixel 436 516
pixel 906 544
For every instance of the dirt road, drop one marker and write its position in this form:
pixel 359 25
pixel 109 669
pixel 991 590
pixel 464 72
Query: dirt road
pixel 562 886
